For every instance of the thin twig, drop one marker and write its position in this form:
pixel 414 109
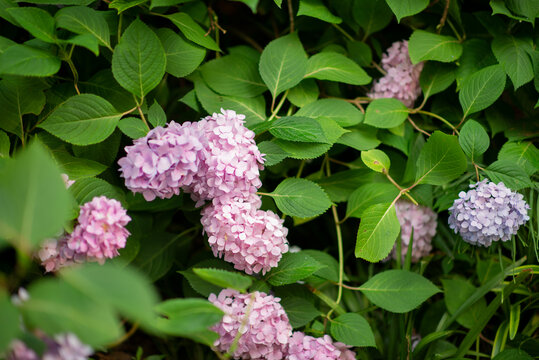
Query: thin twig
pixel 417 127
pixel 126 336
pixel 444 17
pixel 279 105
pixel 140 112
pixel 350 37
pixel 436 116
pixel 291 15
pixel 377 67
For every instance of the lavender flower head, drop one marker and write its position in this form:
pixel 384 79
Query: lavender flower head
pixel 101 229
pixel 401 81
pixel 163 161
pixel 62 347
pixel 232 161
pixel 304 347
pixel 487 213
pixel 252 239
pixel 261 320
pixel 423 222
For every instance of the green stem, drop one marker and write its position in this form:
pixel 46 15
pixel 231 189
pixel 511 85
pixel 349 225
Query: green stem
pixel 436 116
pixel 342 31
pixel 279 105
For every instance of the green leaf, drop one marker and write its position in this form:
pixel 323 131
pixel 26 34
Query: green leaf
pixel 482 89
pixel 424 45
pixel 77 168
pixel 473 139
pixel 297 128
pixel 510 173
pixel 398 291
pixel 340 185
pixel 38 201
pixel 272 153
pixel 104 85
pixel 456 291
pixel 133 127
pixel 199 284
pixel 82 120
pixel 344 113
pixel 56 307
pixel 476 55
pixel 233 75
pixel 524 154
pixel 293 267
pixel 359 51
pixel 183 57
pixel 352 329
pixel 368 195
pixel 377 232
pixel 385 113
pixel 278 2
pixel 10 321
pixel 36 21
pixel 300 311
pixel 155 257
pixel 27 61
pixel 5 43
pixel 122 288
pixel 283 63
pixel 317 9
pixel 403 8
pixel 138 61
pixel 156 115
pixel 123 5
pixel 84 190
pixel 60 2
pixel 84 20
pixel 192 31
pixel 167 3
pixel 302 151
pixel 300 198
pixel 104 152
pixel 376 160
pixel 333 66
pixel 5 145
pixel 363 138
pixel 252 4
pixel 304 93
pixel 441 160
pixel 436 77
pixel 331 269
pixel 513 354
pixel 512 54
pixel 224 279
pixel 85 40
pixel 372 15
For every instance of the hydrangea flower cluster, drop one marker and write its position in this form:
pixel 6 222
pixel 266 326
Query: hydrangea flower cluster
pixel 252 239
pixel 423 222
pixel 99 234
pixel 260 319
pixel 487 213
pixel 61 347
pixel 304 347
pixel 401 81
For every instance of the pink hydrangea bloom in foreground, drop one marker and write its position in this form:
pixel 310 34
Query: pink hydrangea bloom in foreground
pixel 261 320
pixel 62 347
pixel 163 161
pixel 423 221
pixel 252 239
pixel 401 81
pixel 55 254
pixel 232 161
pixel 304 347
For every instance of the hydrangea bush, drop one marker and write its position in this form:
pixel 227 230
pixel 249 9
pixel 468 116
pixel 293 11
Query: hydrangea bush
pixel 269 179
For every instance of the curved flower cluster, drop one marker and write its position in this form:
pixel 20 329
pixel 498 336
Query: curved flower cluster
pixel 163 161
pixel 401 81
pixel 62 347
pixel 487 213
pixel 304 347
pixel 423 222
pixel 252 239
pixel 260 319
pixel 99 234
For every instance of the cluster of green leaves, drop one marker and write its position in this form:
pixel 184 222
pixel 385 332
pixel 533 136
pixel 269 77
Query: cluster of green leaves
pixel 79 79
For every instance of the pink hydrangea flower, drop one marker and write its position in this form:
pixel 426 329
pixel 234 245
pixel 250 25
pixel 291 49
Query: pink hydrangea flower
pixel 260 319
pixel 401 81
pixel 304 347
pixel 67 182
pixel 232 161
pixel 56 254
pixel 423 221
pixel 62 347
pixel 163 161
pixel 101 229
pixel 252 239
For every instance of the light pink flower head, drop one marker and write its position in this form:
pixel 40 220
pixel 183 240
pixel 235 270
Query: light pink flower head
pixel 401 81
pixel 304 347
pixel 163 161
pixel 101 231
pixel 63 347
pixel 260 319
pixel 56 254
pixel 67 181
pixel 232 161
pixel 423 221
pixel 252 239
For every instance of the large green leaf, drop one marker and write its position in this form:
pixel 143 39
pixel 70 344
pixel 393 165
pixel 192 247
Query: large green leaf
pixel 476 55
pixel 441 160
pixel 403 8
pixel 456 291
pixel 38 201
pixel 192 31
pixel 10 321
pixel 224 279
pixel 436 77
pixel 77 168
pixel 86 189
pixel 344 113
pixel 398 291
pixel 304 93
pixel 83 120
pixel 333 66
pixel 317 9
pixel 27 61
pixel 84 20
pixel 123 5
pixel 480 90
pixel 386 113
pixel 139 60
pixel 298 128
pixel 524 154
pixel 368 195
pixel 272 153
pixel 473 139
pixel 510 173
pixel 363 138
pixel 424 45
pixel 352 329
pixel 512 54
pixel 283 64
pixel 183 57
pixel 372 15
pixel 299 310
pixel 300 198
pixel 340 185
pixel 377 232
pixel 293 267
pixel 36 21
